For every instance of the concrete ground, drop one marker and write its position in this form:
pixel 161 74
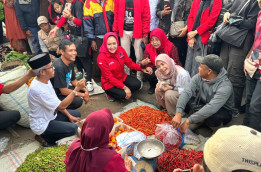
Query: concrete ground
pixel 22 136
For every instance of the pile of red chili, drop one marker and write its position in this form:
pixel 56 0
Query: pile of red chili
pixel 144 119
pixel 175 158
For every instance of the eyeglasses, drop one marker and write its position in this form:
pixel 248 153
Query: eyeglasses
pixel 48 67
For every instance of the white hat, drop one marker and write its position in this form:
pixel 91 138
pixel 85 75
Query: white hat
pixel 234 148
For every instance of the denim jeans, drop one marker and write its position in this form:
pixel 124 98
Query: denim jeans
pixel 35 40
pixel 8 118
pixel 60 127
pixel 250 87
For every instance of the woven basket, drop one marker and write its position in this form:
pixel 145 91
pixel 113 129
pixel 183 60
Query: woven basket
pixel 6 66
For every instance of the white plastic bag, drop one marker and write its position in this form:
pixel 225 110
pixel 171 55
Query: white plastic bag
pixel 191 138
pixel 3 143
pixel 125 139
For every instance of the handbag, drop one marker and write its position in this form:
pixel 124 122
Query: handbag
pixel 214 43
pixel 231 33
pixel 81 43
pixel 176 25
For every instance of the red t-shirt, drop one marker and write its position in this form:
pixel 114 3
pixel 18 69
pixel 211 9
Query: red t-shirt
pixel 1 87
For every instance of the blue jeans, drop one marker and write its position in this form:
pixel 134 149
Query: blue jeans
pixel 250 88
pixel 60 127
pixel 35 40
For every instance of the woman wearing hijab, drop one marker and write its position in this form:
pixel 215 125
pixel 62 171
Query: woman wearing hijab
pixel 159 44
pixel 111 60
pixel 91 153
pixel 171 81
pixel 201 21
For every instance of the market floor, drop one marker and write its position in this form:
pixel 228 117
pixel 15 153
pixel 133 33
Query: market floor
pixel 22 136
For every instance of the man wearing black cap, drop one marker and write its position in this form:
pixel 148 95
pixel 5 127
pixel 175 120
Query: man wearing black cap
pixel 209 95
pixel 49 119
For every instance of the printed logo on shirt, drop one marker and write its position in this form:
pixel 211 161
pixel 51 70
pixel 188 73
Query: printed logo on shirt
pixel 24 1
pixel 121 55
pixel 68 78
pixel 111 63
pixel 129 17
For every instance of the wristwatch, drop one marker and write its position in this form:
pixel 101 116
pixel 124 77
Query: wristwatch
pixel 75 92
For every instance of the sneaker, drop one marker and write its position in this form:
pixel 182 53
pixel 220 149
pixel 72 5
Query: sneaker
pixel 111 99
pixel 89 86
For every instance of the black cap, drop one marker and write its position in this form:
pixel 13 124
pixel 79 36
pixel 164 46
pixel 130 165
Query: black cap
pixel 213 61
pixel 39 61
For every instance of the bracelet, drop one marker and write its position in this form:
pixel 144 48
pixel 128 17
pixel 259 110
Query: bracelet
pixel 75 92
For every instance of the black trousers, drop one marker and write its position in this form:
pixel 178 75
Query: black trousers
pixel 60 127
pixel 152 79
pixel 132 83
pixel 8 118
pixel 76 103
pixel 255 108
pixel 182 46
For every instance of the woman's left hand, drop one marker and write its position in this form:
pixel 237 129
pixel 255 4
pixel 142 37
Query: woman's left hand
pixel 146 61
pixel 166 88
pixel 192 34
pixel 67 14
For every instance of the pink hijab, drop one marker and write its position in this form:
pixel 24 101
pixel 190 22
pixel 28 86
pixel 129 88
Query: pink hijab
pixel 92 152
pixel 173 70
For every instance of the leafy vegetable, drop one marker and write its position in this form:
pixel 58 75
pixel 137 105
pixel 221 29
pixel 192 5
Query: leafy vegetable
pixel 14 55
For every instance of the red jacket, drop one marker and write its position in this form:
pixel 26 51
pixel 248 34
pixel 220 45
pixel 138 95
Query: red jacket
pixel 112 68
pixel 141 26
pixel 207 21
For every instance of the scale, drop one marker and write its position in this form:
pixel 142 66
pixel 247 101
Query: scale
pixel 143 166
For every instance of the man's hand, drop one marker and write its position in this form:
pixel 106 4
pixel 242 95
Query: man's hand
pixel 86 97
pixel 80 85
pixel 30 73
pixel 144 62
pixel 184 126
pixel 127 162
pixel 53 32
pixel 183 32
pixel 191 42
pixel 128 93
pixel 166 10
pixel 226 17
pixel 176 120
pixel 192 34
pixel 94 46
pixel 148 70
pixel 74 119
pixel 145 40
pixel 245 70
pixel 28 33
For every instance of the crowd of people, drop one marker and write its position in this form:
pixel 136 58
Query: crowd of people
pixel 197 56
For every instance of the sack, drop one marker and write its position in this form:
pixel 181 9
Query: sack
pixel 170 137
pixel 81 44
pixel 17 100
pixel 175 27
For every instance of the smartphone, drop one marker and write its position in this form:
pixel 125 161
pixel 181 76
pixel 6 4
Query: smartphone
pixel 142 45
pixel 167 3
pixel 187 170
pixel 67 6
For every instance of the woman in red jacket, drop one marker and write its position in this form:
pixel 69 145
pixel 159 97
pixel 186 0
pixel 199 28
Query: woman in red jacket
pixel 200 24
pixel 111 60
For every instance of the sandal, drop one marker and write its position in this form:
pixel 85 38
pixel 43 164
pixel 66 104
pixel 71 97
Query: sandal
pixel 41 141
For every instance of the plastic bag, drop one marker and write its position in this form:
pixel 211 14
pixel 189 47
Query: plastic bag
pixel 125 139
pixel 170 137
pixel 3 143
pixel 191 138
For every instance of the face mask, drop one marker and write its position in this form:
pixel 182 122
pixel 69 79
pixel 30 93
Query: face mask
pixel 25 1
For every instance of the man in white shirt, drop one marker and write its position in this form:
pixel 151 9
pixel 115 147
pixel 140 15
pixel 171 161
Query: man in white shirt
pixel 49 118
